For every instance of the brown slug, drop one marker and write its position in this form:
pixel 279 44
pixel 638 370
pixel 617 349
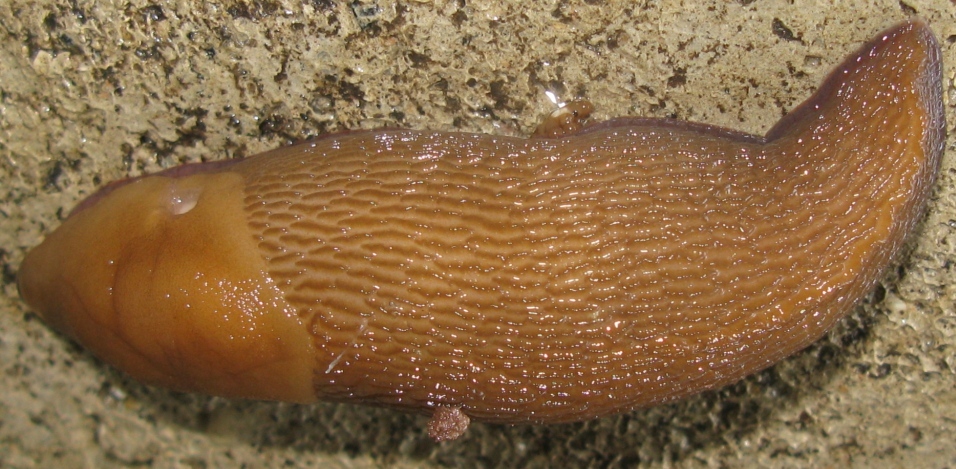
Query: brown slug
pixel 499 279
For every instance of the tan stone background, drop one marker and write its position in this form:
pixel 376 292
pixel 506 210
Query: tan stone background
pixel 94 91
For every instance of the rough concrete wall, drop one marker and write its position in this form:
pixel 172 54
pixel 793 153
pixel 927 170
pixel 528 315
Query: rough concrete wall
pixel 95 91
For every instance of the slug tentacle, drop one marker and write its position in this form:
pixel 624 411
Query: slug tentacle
pixel 631 263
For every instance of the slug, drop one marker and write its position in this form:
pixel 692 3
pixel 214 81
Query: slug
pixel 476 277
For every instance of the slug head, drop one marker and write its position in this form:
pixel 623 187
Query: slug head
pixel 160 278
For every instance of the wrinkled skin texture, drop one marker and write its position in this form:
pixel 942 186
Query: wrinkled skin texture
pixel 632 263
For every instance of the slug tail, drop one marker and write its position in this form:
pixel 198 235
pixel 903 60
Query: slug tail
pixel 862 153
pixel 892 85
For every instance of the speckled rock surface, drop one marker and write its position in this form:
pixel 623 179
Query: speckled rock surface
pixel 95 91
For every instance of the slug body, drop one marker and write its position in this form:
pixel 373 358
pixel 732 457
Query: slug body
pixel 509 280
